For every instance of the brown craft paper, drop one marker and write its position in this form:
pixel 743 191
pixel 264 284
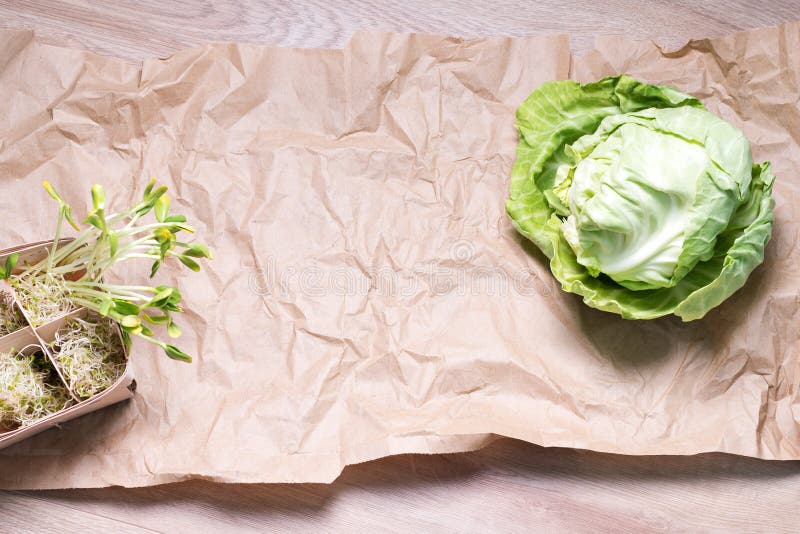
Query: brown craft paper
pixel 369 296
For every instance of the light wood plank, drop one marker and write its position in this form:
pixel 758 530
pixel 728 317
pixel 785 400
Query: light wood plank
pixel 143 28
pixel 506 487
pixel 28 513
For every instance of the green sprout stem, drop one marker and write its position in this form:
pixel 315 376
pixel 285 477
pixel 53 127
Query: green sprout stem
pixel 74 270
pixel 55 243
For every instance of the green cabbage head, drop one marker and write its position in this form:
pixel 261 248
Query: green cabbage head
pixel 645 203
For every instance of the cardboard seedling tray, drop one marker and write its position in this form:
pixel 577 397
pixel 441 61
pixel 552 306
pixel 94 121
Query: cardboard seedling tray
pixel 31 338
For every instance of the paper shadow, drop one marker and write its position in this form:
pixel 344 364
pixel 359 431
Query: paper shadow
pixel 435 476
pixel 76 435
pixel 632 343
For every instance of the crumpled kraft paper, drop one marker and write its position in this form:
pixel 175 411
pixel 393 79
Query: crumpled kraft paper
pixel 369 296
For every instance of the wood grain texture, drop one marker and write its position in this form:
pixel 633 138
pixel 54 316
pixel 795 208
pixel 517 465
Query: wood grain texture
pixel 136 29
pixel 510 486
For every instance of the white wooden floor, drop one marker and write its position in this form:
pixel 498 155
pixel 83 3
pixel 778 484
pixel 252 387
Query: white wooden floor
pixel 510 486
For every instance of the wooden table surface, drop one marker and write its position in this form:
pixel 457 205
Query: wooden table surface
pixel 509 486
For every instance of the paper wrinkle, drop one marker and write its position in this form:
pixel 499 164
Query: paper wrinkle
pixel 355 307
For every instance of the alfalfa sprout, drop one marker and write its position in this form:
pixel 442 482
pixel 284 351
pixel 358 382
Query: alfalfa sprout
pixel 44 296
pixel 29 389
pixel 89 354
pixel 11 319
